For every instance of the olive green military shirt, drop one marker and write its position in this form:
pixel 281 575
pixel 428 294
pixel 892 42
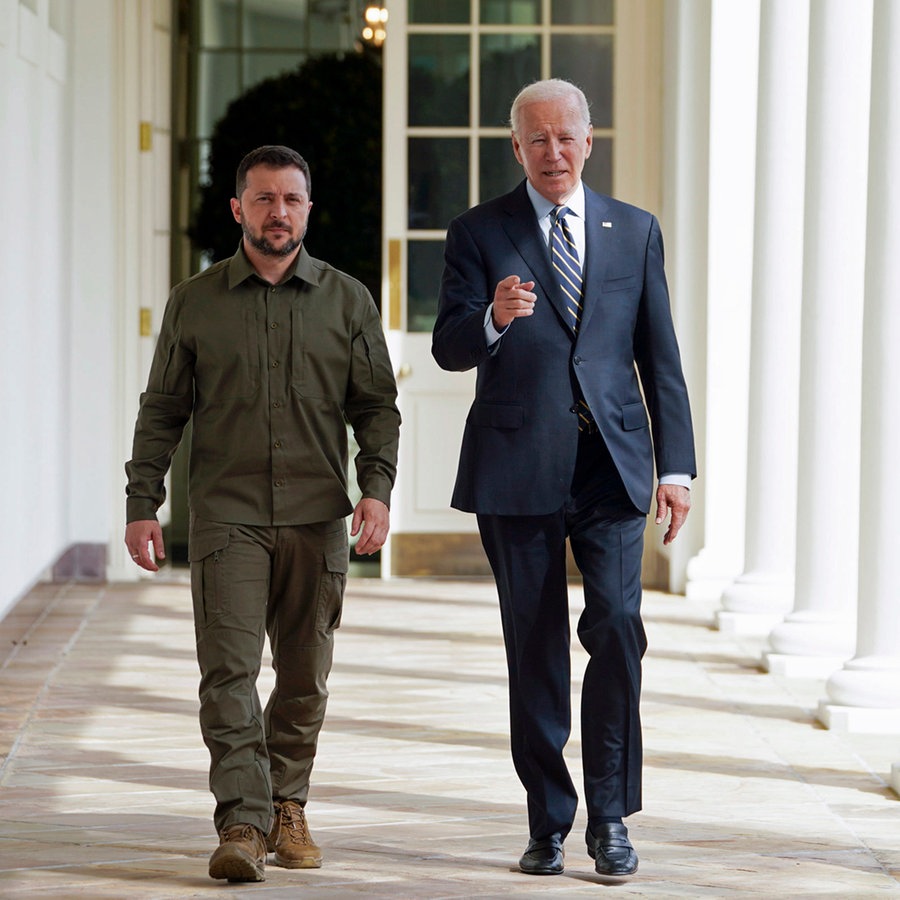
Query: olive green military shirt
pixel 269 374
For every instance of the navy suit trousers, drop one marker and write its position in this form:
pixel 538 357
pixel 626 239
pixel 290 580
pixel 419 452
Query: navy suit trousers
pixel 528 558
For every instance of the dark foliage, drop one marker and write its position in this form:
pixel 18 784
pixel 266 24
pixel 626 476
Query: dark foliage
pixel 329 111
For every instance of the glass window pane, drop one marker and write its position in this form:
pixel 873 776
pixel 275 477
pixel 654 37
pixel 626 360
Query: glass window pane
pixel 581 12
pixel 218 25
pixel 438 79
pixel 438 11
pixel 508 62
pixel 278 27
pixel 220 76
pixel 438 180
pixel 424 265
pixel 259 66
pixel 327 34
pixel 511 12
pixel 499 169
pixel 587 60
pixel 597 173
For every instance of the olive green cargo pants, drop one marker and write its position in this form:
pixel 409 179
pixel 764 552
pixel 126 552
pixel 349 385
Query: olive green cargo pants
pixel 249 581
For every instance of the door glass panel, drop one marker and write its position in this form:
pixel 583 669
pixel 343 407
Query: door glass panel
pixel 438 180
pixel 508 61
pixel 218 25
pixel 259 66
pixel 499 168
pixel 587 60
pixel 597 172
pixel 438 11
pixel 581 12
pixel 438 79
pixel 510 12
pixel 425 263
pixel 221 73
pixel 265 27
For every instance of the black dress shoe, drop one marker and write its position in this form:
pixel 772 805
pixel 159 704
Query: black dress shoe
pixel 611 849
pixel 543 857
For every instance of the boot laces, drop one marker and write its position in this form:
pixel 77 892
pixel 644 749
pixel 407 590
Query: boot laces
pixel 293 819
pixel 239 832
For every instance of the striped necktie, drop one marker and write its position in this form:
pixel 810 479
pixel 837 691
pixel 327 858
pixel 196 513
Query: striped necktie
pixel 564 256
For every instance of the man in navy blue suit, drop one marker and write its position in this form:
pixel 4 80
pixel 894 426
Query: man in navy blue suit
pixel 558 295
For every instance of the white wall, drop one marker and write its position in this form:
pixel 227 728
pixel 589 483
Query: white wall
pixel 684 220
pixel 35 301
pixel 91 152
pixel 58 264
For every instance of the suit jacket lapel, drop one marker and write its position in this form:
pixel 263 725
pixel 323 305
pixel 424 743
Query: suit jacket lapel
pixel 597 252
pixel 522 229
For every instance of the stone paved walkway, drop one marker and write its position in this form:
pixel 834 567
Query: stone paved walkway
pixel 103 779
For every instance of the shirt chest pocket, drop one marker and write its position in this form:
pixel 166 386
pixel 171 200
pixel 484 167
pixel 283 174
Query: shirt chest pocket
pixel 228 363
pixel 320 358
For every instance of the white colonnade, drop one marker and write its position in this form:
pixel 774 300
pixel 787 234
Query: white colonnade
pixel 763 594
pixel 865 694
pixel 819 547
pixel 733 83
pixel 818 635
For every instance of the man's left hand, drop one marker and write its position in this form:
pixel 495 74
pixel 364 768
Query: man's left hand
pixel 372 517
pixel 674 499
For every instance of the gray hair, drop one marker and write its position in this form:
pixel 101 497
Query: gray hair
pixel 550 89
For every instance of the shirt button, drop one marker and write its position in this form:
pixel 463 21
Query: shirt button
pixel 273 325
pixel 275 364
pixel 275 405
pixel 279 483
pixel 277 444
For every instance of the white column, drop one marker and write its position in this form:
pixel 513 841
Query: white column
pixel 734 64
pixel 759 599
pixel 865 694
pixel 819 635
pixel 684 216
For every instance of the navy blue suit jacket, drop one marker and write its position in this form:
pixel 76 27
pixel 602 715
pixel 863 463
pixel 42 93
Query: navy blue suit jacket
pixel 521 437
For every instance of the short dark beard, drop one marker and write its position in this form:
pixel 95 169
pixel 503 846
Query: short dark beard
pixel 265 247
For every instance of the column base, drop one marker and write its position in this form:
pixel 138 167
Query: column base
pixel 707 578
pixel 856 720
pixel 747 623
pixel 867 682
pixel 815 634
pixel 790 665
pixel 759 593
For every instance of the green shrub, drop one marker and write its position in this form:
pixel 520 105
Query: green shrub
pixel 329 111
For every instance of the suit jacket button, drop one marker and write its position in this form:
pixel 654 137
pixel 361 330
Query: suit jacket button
pixel 577 360
pixel 573 409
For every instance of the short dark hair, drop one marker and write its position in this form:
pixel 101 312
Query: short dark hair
pixel 275 156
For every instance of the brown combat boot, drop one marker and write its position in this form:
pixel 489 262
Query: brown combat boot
pixel 290 840
pixel 241 854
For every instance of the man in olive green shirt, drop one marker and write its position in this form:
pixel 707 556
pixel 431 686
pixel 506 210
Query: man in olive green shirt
pixel 269 353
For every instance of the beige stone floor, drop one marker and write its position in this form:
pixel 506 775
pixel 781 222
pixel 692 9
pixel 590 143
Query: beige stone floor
pixel 103 779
